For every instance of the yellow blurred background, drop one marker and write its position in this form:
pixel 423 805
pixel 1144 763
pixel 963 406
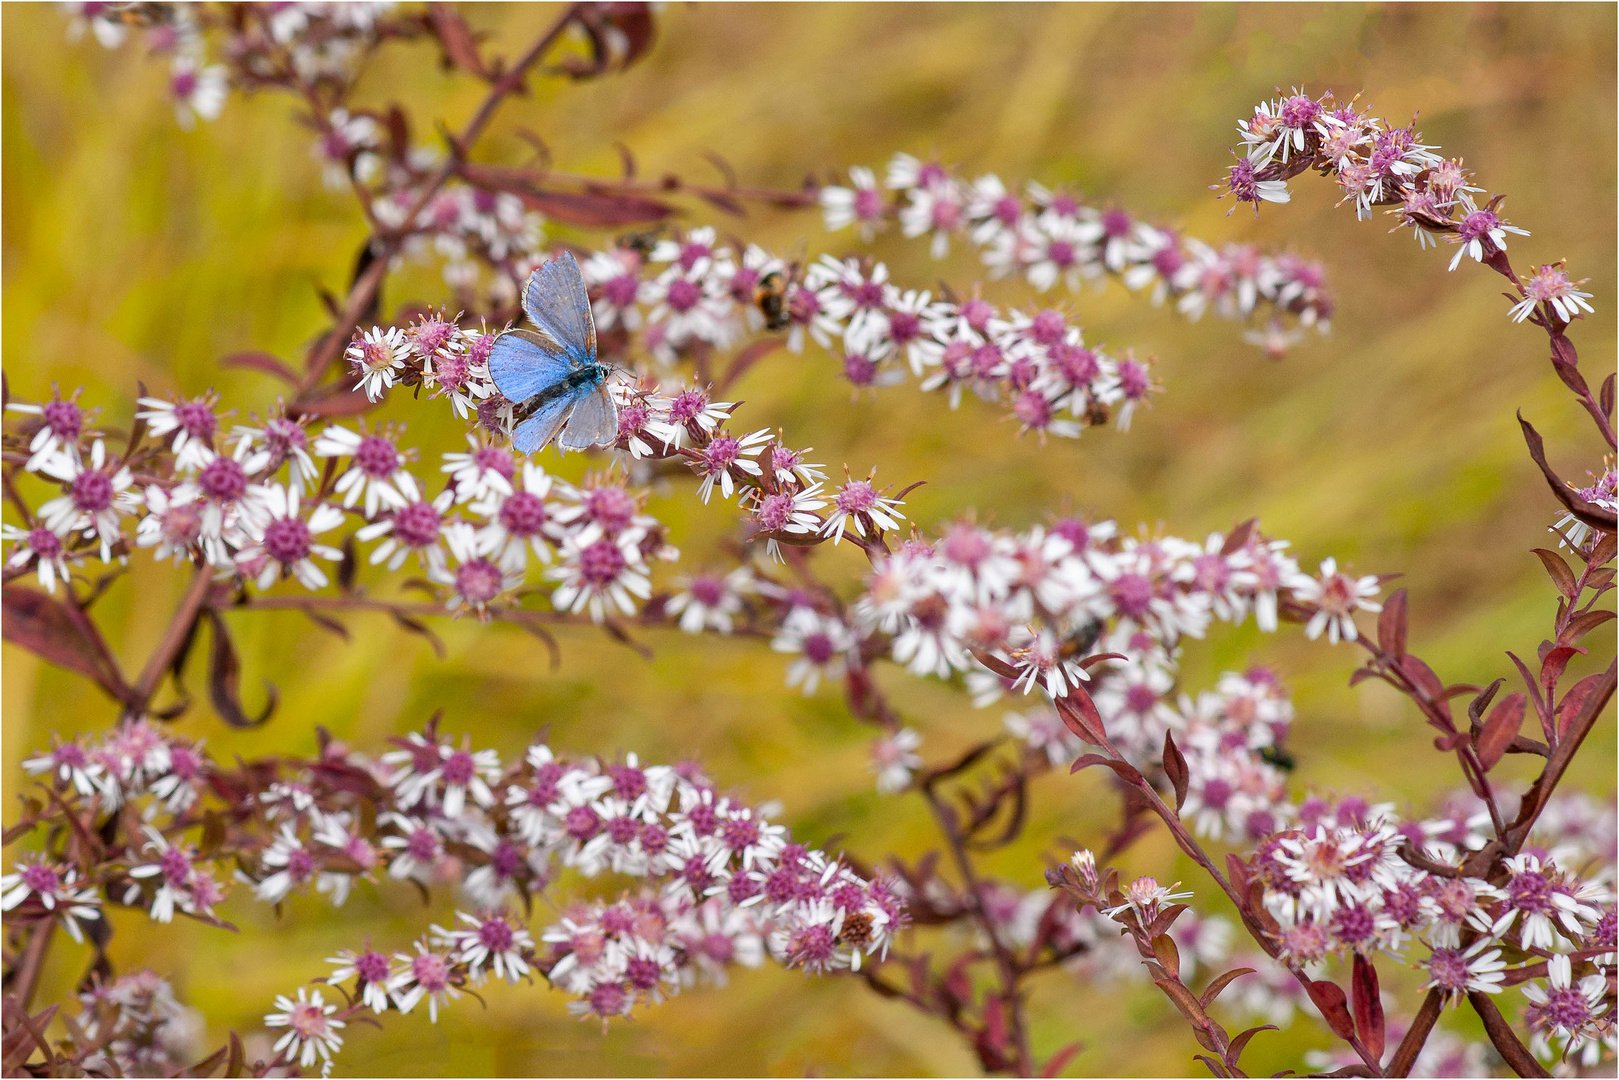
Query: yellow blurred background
pixel 135 252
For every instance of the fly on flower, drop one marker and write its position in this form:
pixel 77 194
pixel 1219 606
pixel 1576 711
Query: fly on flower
pixel 552 376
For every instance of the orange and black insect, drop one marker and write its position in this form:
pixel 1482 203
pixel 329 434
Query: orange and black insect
pixel 770 296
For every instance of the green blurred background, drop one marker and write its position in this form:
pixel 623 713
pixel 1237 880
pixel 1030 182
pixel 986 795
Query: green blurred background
pixel 135 252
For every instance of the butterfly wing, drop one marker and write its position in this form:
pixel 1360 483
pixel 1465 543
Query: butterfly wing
pixel 594 421
pixel 541 428
pixel 523 364
pixel 555 301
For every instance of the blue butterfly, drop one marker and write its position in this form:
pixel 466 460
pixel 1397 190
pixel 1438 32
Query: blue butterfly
pixel 552 378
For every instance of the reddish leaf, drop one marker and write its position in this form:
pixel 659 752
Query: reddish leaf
pixel 1240 1043
pixel 1185 1001
pixel 1054 1065
pixel 1175 768
pixel 1238 538
pixel 1590 513
pixel 1169 956
pixel 1329 998
pixel 1558 570
pixel 1368 1006
pixel 50 630
pixel 749 355
pixel 1079 713
pixel 1124 769
pixel 261 361
pixel 1237 871
pixel 416 626
pixel 591 210
pixel 1581 625
pixel 224 679
pixel 334 399
pixel 723 202
pixel 454 34
pixel 1554 663
pixel 1574 701
pixel 1218 985
pixel 1605 396
pixel 619 34
pixel 1499 730
pixel 1391 624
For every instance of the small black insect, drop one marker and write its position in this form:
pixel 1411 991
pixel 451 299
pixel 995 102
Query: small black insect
pixel 1279 758
pixel 770 295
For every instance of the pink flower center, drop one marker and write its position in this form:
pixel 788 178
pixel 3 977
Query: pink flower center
pixel 479 581
pixel 687 406
pixel 431 972
pixel 1033 409
pixel 868 203
pixel 858 369
pixel 417 524
pixel 422 845
pixel 818 649
pixel 64 418
pixel 372 967
pixel 287 540
pixel 496 935
pixel 683 295
pixel 223 480
pixel 181 523
pixel 610 507
pixel 721 454
pixel 41 878
pixel 1478 225
pixel 196 419
pixel 92 491
pixel 601 563
pixel 45 544
pixel 176 867
pixel 377 457
pixel 459 768
pixel 621 291
pixel 856 497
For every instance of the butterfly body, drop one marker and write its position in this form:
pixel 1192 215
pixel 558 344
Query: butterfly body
pixel 551 375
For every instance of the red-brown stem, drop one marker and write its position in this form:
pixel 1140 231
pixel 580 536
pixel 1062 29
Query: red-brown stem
pixel 1534 801
pixel 365 289
pixel 185 617
pixel 1505 1040
pixel 1417 1034
pixel 1194 850
pixel 26 976
pixel 1005 962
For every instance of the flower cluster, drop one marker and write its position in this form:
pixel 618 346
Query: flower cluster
pixel 1051 237
pixel 1354 880
pixel 727 884
pixel 1377 163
